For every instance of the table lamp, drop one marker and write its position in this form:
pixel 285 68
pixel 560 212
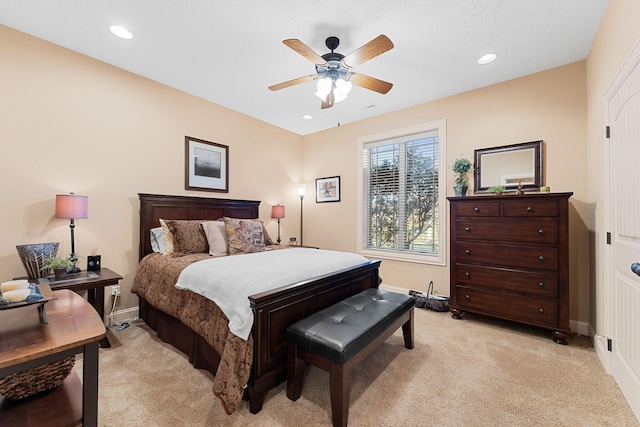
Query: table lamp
pixel 72 206
pixel 277 212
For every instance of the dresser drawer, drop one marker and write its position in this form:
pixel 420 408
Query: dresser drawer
pixel 478 209
pixel 544 231
pixel 502 279
pixel 533 310
pixel 532 208
pixel 536 257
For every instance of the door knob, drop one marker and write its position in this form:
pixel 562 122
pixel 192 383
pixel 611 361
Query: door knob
pixel 635 267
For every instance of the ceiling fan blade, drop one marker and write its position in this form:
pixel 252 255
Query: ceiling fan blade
pixel 328 103
pixel 375 47
pixel 305 51
pixel 370 83
pixel 293 82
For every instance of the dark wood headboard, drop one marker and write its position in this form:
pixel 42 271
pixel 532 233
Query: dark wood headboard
pixel 156 206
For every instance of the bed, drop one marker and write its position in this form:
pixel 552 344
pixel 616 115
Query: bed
pixel 203 340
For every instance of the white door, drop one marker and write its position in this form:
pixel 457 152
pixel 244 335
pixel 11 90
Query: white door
pixel 624 202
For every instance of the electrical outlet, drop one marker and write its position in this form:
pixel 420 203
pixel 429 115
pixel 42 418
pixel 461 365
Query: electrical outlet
pixel 115 290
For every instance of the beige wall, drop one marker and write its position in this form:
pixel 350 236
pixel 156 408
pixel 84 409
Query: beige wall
pixel 70 123
pixel 550 106
pixel 618 33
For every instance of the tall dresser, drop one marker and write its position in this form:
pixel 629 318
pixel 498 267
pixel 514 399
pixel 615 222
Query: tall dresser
pixel 510 259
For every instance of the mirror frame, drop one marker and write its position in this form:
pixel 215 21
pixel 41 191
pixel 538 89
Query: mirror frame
pixel 538 169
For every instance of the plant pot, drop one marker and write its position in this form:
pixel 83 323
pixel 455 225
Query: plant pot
pixel 460 190
pixel 60 273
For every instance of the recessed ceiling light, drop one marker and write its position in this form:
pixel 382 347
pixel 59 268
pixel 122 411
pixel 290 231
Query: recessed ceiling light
pixel 307 117
pixel 487 58
pixel 121 32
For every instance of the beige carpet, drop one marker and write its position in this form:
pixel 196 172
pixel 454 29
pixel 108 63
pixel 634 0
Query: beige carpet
pixel 471 372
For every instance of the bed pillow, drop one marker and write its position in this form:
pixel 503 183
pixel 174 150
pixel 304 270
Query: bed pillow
pixel 216 237
pixel 168 238
pixel 244 235
pixel 157 240
pixel 267 239
pixel 188 236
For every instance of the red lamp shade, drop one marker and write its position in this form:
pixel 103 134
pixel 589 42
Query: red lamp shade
pixel 277 211
pixel 72 206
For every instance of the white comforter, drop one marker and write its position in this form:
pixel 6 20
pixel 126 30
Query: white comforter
pixel 229 281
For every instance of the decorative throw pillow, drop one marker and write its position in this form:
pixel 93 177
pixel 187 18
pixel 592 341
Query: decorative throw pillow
pixel 168 238
pixel 216 237
pixel 188 236
pixel 244 235
pixel 267 239
pixel 157 239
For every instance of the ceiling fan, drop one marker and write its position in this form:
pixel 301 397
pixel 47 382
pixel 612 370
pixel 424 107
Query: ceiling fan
pixel 333 70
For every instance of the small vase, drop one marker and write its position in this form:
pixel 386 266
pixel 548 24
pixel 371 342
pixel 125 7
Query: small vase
pixel 460 190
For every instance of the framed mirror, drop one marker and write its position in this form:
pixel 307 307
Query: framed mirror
pixel 507 166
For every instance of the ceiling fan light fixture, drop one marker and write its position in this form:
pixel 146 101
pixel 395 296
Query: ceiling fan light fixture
pixel 323 87
pixel 344 87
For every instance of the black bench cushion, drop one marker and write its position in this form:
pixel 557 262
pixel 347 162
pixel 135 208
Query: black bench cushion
pixel 342 330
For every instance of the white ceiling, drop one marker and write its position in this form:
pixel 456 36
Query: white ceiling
pixel 229 52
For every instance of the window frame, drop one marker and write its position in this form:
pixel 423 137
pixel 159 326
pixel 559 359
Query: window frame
pixel 440 126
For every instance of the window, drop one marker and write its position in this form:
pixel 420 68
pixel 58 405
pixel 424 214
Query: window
pixel 401 199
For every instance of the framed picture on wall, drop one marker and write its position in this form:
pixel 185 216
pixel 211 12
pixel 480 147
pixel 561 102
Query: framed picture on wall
pixel 206 165
pixel 328 189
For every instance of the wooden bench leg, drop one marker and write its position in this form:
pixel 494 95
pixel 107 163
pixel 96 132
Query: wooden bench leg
pixel 407 331
pixel 340 387
pixel 295 373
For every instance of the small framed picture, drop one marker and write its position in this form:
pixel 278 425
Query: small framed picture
pixel 328 189
pixel 206 165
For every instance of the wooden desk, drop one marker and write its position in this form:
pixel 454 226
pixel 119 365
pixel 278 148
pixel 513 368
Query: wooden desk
pixel 91 281
pixel 74 327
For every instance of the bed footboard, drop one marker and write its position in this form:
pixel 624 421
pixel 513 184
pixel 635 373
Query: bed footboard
pixel 274 311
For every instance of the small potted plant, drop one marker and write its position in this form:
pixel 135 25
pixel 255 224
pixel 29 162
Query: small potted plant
pixel 461 168
pixel 498 189
pixel 59 266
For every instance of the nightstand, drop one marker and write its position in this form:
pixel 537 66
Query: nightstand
pixel 91 281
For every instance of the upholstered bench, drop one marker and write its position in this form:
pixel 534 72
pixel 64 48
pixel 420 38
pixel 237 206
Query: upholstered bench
pixel 339 337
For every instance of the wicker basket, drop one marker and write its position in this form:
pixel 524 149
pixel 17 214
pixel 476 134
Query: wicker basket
pixel 421 299
pixel 430 300
pixel 35 380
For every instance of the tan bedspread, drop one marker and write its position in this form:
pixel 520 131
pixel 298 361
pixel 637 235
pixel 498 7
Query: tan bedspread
pixel 155 281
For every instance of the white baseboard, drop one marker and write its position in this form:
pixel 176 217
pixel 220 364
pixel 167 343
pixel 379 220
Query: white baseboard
pixel 125 315
pixel 579 327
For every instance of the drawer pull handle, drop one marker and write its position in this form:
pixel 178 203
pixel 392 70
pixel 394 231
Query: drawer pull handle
pixel 541 231
pixel 476 209
pixel 467 296
pixel 467 251
pixel 467 229
pixel 541 258
pixel 541 310
pixel 529 209
pixel 467 274
pixel 635 267
pixel 541 284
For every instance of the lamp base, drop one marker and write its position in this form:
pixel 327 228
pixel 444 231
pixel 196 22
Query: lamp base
pixel 73 258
